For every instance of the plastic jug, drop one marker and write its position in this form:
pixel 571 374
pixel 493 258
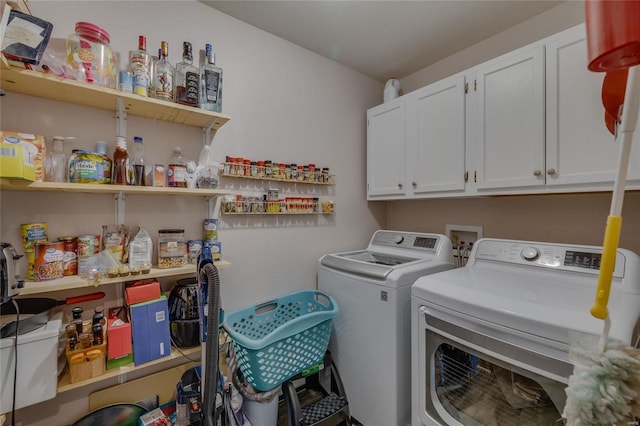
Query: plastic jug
pixel 391 89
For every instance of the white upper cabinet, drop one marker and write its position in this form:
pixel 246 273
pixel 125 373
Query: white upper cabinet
pixel 580 149
pixel 509 120
pixel 436 137
pixel 386 150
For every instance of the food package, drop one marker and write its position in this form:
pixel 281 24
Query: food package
pixel 115 238
pixel 25 37
pixel 140 251
pixel 22 156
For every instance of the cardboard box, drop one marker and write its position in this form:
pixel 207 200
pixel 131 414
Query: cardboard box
pixel 118 334
pixel 22 156
pixel 150 330
pixel 158 175
pixel 142 291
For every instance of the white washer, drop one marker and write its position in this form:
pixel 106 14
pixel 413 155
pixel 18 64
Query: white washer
pixel 371 338
pixel 491 340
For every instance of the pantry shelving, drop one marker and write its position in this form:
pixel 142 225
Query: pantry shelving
pixel 48 86
pixel 75 281
pixel 122 373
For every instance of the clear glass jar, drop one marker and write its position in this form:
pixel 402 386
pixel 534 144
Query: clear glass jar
pixel 90 57
pixel 172 251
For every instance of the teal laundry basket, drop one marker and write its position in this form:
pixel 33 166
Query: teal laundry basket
pixel 276 340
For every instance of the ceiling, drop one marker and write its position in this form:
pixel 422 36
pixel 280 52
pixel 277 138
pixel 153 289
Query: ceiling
pixel 383 39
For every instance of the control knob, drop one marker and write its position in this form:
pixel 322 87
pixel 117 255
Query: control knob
pixel 399 239
pixel 530 253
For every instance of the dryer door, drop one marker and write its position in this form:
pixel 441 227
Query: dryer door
pixel 471 378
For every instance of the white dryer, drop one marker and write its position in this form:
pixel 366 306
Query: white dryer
pixel 491 340
pixel 371 338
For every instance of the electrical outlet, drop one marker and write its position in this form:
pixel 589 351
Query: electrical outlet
pixel 467 233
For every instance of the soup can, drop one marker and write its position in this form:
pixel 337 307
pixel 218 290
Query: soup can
pixel 33 233
pixel 85 247
pixel 49 261
pixel 70 255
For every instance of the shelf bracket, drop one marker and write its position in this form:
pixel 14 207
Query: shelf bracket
pixel 206 132
pixel 119 197
pixel 121 118
pixel 213 207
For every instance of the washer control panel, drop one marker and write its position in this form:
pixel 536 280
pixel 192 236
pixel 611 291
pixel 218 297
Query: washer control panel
pixel 405 240
pixel 570 258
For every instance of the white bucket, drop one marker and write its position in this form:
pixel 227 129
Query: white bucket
pixel 261 413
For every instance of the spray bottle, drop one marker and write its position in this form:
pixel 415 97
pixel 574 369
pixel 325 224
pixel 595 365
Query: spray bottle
pixel 56 162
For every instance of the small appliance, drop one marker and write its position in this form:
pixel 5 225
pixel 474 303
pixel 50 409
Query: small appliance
pixel 183 313
pixel 10 283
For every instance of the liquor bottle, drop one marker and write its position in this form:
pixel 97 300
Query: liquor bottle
pixel 210 82
pixel 186 78
pixel 139 64
pixel 163 80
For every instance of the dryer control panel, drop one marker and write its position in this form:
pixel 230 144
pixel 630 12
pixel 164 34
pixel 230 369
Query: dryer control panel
pixel 405 240
pixel 585 259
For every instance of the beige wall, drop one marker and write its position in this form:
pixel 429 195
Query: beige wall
pixel 286 103
pixel 570 218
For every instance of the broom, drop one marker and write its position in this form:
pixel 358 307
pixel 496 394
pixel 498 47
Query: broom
pixel 604 388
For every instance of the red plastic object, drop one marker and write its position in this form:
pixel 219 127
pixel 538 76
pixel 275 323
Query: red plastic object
pixel 610 122
pixel 613 88
pixel 613 34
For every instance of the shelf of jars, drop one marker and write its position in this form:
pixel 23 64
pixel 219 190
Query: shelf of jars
pixel 288 206
pixel 92 188
pixel 77 281
pixel 279 172
pixel 175 358
pixel 49 86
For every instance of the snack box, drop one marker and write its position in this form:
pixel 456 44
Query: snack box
pixel 142 291
pixel 22 156
pixel 118 335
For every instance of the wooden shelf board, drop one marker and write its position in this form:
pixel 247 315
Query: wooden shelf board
pixel 274 214
pixel 279 180
pixel 94 188
pixel 158 364
pixel 61 89
pixel 75 281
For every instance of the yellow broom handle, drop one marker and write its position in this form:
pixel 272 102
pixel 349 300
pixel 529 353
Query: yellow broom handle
pixel 607 265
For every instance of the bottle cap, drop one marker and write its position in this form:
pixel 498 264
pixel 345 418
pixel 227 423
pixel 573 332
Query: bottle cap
pixel 101 147
pixel 137 139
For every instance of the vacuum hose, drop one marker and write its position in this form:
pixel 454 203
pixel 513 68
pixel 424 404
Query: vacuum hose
pixel 209 272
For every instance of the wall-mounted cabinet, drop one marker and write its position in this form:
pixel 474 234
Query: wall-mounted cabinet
pixel 530 121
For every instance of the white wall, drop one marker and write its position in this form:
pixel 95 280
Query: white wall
pixel 286 104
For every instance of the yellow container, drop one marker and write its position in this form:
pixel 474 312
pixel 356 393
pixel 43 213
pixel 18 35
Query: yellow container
pixel 22 156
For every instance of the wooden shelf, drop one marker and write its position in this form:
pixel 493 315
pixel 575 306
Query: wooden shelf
pixel 61 89
pixel 93 188
pixel 275 214
pixel 75 281
pixel 304 182
pixel 157 365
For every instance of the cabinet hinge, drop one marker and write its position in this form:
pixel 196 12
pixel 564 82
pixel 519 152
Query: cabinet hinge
pixel 466 176
pixel 475 176
pixel 466 88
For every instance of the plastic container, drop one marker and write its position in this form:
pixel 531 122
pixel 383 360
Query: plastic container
pixel 121 167
pixel 137 151
pixel 89 52
pixel 177 170
pixel 280 338
pixel 171 248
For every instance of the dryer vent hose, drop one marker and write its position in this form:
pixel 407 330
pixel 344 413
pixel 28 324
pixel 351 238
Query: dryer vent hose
pixel 209 272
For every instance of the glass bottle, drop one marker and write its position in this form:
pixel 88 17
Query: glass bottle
pixel 137 151
pixel 56 162
pixel 210 82
pixel 177 170
pixel 120 162
pixel 163 80
pixel 186 78
pixel 139 63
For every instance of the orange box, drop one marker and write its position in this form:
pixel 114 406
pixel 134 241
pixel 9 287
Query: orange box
pixel 158 175
pixel 142 291
pixel 118 333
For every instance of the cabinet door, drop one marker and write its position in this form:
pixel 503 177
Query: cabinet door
pixel 509 104
pixel 386 150
pixel 436 137
pixel 580 149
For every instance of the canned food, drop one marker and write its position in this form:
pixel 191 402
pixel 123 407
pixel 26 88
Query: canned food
pixel 211 229
pixel 86 244
pixel 193 250
pixel 49 261
pixel 33 233
pixel 70 255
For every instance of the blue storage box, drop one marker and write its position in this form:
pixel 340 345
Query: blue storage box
pixel 280 338
pixel 150 330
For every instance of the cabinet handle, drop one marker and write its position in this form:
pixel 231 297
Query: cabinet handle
pixel 399 186
pixel 415 185
pixel 537 172
pixel 551 171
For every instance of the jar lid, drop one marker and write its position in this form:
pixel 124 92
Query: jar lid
pixel 88 26
pixel 171 231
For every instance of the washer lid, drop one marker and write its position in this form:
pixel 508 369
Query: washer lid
pixel 372 265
